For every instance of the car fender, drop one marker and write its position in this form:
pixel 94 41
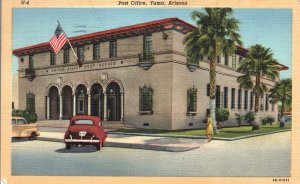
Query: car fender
pixel 28 132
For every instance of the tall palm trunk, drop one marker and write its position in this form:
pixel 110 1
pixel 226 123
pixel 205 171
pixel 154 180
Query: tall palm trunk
pixel 283 107
pixel 257 96
pixel 212 92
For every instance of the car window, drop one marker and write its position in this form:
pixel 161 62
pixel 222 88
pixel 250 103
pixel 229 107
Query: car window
pixel 21 122
pixel 83 122
pixel 13 121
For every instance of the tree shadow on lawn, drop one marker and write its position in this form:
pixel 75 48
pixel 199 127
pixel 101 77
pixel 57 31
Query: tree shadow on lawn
pixel 237 132
pixel 250 131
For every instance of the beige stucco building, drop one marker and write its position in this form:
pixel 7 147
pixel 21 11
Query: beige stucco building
pixel 137 74
pixel 15 91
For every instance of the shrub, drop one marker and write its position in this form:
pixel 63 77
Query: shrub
pixel 30 117
pixel 255 126
pixel 239 118
pixel 222 114
pixel 249 117
pixel 267 120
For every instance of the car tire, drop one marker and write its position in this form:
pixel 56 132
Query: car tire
pixel 33 136
pixel 68 146
pixel 99 146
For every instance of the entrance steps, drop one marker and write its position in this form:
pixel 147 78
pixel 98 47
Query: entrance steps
pixel 116 125
pixel 112 125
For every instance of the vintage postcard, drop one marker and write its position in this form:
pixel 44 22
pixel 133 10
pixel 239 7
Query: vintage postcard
pixel 149 91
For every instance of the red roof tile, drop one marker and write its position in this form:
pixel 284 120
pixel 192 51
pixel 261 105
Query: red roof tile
pixel 111 32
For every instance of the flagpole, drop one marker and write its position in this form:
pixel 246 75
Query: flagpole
pixel 69 43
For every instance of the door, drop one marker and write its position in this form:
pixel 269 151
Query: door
pixel 81 105
pixel 113 102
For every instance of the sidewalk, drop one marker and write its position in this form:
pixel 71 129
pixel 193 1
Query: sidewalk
pixel 137 142
pixel 53 130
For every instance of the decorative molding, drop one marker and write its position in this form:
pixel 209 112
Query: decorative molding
pixel 145 112
pixel 118 81
pixel 118 33
pixel 146 65
pixel 192 67
pixel 191 113
pixel 53 85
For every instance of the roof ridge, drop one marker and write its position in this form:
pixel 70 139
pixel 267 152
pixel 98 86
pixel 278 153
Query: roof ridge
pixel 108 31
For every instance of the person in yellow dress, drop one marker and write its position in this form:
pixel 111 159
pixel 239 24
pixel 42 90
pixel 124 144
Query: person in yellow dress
pixel 209 128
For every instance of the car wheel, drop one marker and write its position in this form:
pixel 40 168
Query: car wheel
pixel 99 146
pixel 33 136
pixel 68 146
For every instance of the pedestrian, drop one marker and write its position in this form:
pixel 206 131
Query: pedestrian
pixel 209 128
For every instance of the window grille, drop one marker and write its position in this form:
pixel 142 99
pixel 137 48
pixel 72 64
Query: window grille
pixel 192 100
pixel 146 99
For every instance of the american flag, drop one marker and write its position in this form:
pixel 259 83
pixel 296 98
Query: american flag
pixel 58 40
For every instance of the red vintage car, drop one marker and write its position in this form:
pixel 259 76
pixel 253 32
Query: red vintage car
pixel 85 130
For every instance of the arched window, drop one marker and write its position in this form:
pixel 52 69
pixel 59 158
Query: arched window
pixel 146 94
pixel 192 100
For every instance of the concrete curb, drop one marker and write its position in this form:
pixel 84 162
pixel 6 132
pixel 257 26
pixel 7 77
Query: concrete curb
pixel 133 146
pixel 199 137
pixel 157 147
pixel 150 147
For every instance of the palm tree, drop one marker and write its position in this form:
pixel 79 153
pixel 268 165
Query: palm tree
pixel 216 34
pixel 258 62
pixel 282 92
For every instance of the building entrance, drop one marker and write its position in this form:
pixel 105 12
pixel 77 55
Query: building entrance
pixel 113 102
pixel 81 100
pixel 67 102
pixel 54 103
pixel 97 101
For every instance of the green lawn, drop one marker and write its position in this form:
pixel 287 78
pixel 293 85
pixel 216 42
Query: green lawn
pixel 224 132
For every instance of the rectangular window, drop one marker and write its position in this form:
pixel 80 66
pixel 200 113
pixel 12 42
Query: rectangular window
pixel 233 98
pixel 31 62
pixel 30 102
pixel 207 90
pixel 80 53
pixel 267 102
pixel 147 54
pixel 234 61
pixel 226 59
pixel 246 100
pixel 240 99
pixel 251 100
pixel 146 99
pixel 52 58
pixel 66 56
pixel 113 49
pixel 262 102
pixel 96 51
pixel 218 94
pixel 225 97
pixel 273 107
pixel 147 46
pixel 192 100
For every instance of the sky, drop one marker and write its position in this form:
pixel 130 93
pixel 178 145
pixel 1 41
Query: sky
pixel 270 27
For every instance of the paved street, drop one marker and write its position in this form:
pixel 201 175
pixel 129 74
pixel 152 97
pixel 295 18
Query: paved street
pixel 267 155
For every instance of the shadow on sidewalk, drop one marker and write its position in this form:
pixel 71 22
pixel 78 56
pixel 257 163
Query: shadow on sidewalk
pixel 79 149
